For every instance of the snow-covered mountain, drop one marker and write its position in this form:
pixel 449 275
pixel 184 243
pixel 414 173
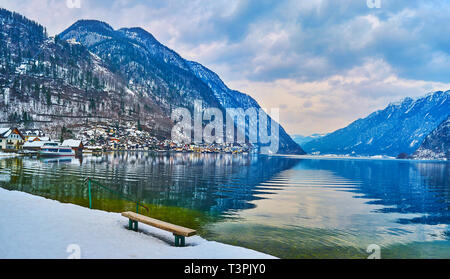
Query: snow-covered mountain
pixel 234 99
pixel 50 83
pixel 151 69
pixel 92 72
pixel 161 73
pixel 399 128
pixel 437 144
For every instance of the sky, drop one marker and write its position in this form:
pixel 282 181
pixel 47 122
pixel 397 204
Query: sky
pixel 323 63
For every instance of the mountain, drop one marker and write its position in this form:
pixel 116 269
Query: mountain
pixel 51 83
pixel 437 144
pixel 399 128
pixel 299 139
pixel 151 69
pixel 93 73
pixel 234 99
pixel 161 73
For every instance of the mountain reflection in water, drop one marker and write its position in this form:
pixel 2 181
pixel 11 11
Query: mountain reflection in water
pixel 291 207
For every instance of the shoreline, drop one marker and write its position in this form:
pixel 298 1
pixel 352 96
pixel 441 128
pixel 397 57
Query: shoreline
pixel 41 228
pixel 304 156
pixel 341 157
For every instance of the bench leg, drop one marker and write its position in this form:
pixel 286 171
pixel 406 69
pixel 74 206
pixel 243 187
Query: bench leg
pixel 132 225
pixel 179 241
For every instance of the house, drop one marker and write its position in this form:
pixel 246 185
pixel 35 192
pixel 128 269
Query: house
pixel 76 145
pixel 33 133
pixel 11 139
pixel 114 143
pixel 38 139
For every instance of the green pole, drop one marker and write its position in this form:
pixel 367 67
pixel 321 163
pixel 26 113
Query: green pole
pixel 90 197
pixel 137 207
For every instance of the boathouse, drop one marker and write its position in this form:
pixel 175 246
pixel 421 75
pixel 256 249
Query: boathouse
pixel 76 145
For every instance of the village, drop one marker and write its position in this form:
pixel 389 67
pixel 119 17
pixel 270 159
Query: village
pixel 98 139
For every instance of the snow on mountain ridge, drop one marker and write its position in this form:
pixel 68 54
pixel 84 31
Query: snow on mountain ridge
pixel 399 128
pixel 437 144
pixel 152 59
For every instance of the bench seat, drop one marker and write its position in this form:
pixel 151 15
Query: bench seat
pixel 178 231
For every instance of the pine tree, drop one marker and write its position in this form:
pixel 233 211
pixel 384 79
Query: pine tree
pixel 139 127
pixel 48 97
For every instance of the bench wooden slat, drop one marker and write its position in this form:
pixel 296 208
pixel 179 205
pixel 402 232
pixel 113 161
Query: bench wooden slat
pixel 178 230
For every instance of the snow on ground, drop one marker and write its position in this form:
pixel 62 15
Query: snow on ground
pixel 36 227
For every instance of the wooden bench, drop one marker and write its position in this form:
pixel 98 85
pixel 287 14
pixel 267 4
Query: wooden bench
pixel 179 232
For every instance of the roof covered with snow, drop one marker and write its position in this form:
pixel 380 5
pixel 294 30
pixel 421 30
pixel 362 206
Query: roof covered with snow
pixel 5 132
pixel 39 138
pixel 72 143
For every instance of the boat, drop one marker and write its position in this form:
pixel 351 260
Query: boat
pixel 53 149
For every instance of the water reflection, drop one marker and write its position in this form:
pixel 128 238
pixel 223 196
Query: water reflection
pixel 216 183
pixel 335 208
pixel 286 206
pixel 400 186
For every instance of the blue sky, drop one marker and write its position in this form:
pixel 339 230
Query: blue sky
pixel 323 63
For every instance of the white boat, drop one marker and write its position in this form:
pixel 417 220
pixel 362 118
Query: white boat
pixel 53 149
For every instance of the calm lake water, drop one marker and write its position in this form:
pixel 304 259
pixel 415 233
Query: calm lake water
pixel 290 207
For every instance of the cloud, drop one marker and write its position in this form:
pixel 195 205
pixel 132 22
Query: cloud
pixel 268 40
pixel 324 105
pixel 321 56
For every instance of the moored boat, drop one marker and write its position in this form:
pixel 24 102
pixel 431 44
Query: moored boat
pixel 53 149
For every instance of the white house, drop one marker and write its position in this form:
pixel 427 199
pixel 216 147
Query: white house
pixel 11 139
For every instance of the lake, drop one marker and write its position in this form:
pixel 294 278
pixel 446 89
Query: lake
pixel 287 206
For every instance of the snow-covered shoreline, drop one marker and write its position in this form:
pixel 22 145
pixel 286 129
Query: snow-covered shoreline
pixel 36 227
